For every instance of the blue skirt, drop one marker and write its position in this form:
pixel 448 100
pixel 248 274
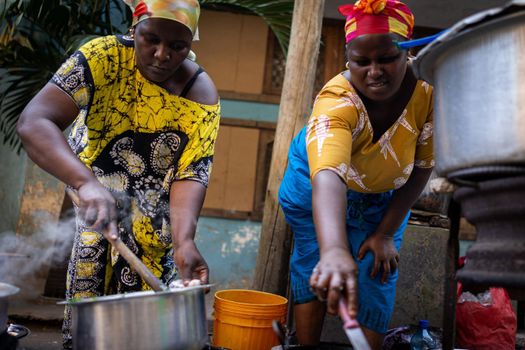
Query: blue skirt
pixel 364 213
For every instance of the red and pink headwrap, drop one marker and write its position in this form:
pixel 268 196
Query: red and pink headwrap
pixel 377 17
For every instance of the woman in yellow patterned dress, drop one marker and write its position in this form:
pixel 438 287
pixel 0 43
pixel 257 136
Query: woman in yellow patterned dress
pixel 353 173
pixel 144 122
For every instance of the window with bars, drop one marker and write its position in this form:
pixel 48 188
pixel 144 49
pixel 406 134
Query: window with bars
pixel 329 62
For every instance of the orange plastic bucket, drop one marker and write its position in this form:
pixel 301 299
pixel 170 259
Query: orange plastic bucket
pixel 243 319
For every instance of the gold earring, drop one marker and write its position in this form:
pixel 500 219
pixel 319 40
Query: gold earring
pixel 347 65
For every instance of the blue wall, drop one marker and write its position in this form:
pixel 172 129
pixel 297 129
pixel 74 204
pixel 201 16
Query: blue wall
pixel 261 112
pixel 230 249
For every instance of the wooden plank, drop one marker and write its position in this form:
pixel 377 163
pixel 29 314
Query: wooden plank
pixel 244 96
pixel 242 164
pixel 215 195
pixel 271 46
pixel 226 214
pixel 252 53
pixel 219 50
pixel 335 48
pixel 271 271
pixel 264 157
pixel 248 123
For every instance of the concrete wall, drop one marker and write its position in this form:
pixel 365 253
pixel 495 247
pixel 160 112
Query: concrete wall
pixel 12 170
pixel 41 200
pixel 29 197
pixel 420 288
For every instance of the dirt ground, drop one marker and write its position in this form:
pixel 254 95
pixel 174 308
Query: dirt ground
pixel 44 335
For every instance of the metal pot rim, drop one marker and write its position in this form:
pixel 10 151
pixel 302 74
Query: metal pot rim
pixel 7 289
pixel 423 64
pixel 148 293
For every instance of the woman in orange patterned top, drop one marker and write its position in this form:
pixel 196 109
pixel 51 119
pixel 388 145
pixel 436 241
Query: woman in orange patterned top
pixel 144 122
pixel 354 172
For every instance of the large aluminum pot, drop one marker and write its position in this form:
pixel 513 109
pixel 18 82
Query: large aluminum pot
pixel 477 69
pixel 141 320
pixel 6 290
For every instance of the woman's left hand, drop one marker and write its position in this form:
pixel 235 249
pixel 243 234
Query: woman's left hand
pixel 385 254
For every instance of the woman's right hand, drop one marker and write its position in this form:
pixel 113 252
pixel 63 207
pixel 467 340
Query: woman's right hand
pixel 335 276
pixel 98 208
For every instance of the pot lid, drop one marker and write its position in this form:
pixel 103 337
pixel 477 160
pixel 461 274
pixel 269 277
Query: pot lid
pixel 423 64
pixel 7 290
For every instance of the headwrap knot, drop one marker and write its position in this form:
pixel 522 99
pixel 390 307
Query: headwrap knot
pixel 372 7
pixel 377 17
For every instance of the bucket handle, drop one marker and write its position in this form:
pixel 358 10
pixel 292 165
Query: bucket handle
pixel 281 334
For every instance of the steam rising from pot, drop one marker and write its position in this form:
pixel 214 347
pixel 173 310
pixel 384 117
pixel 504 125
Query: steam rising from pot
pixel 23 258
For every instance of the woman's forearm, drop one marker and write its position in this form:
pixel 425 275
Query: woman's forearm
pixel 186 200
pixel 329 210
pixel 40 129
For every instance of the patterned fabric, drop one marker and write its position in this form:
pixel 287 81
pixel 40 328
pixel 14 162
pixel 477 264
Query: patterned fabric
pixel 339 137
pixel 183 11
pixel 377 17
pixel 137 138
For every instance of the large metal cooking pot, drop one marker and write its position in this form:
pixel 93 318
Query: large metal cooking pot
pixel 6 290
pixel 174 320
pixel 477 69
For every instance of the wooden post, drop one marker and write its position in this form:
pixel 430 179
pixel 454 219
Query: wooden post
pixel 271 271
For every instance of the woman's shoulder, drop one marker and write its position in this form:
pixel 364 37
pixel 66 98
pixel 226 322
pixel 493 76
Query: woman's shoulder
pixel 335 89
pixel 109 57
pixel 338 83
pixel 108 53
pixel 423 92
pixel 105 45
pixel 203 90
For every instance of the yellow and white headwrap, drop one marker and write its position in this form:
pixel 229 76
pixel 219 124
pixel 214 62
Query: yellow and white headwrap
pixel 185 12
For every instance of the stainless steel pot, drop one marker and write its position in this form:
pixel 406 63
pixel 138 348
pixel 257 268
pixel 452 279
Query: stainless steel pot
pixel 141 320
pixel 477 69
pixel 6 290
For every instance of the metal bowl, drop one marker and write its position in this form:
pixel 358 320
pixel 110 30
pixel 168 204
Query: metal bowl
pixel 173 319
pixel 6 290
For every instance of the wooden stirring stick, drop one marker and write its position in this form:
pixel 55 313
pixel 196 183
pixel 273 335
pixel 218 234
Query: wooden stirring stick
pixel 148 277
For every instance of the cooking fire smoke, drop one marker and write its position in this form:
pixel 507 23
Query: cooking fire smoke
pixel 24 258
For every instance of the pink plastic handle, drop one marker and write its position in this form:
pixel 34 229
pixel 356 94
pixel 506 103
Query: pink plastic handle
pixel 348 323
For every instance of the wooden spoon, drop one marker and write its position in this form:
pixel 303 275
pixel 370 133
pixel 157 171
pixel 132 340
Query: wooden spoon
pixel 148 277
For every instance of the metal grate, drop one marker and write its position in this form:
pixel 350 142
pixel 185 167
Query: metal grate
pixel 278 65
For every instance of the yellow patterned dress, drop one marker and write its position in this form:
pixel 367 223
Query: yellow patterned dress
pixel 137 138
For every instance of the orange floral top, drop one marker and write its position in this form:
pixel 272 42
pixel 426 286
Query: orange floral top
pixel 339 137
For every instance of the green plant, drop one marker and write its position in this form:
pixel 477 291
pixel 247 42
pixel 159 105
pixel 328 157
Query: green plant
pixel 36 36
